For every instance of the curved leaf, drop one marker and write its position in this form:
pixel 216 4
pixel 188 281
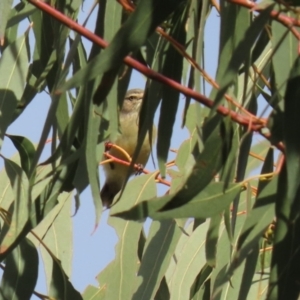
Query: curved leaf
pixel 20 273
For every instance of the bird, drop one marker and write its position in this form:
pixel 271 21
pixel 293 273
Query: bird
pixel 115 173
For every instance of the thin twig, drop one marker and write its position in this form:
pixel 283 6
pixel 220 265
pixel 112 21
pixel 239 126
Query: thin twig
pixel 136 167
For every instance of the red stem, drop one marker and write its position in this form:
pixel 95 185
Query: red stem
pixel 250 123
pixel 289 22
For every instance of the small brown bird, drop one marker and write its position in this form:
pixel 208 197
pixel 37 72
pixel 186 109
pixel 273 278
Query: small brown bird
pixel 129 121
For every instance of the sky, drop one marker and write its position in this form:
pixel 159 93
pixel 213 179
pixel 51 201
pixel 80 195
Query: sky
pixel 94 250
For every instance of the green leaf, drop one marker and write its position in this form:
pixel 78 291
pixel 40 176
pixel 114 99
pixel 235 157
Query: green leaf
pixel 228 75
pixel 94 293
pixel 230 150
pixel 17 14
pixel 220 280
pixel 62 114
pixel 209 202
pixel 241 280
pixel 184 162
pixel 187 230
pixel 245 258
pixel 258 219
pixel 292 141
pixel 234 23
pixel 92 161
pixel 260 149
pixel 134 192
pixel 132 35
pixel 121 283
pixel 160 246
pixel 26 151
pixel 284 57
pixel 248 274
pixel 13 71
pixel 20 12
pixel 259 285
pixel 7 194
pixel 61 287
pixel 42 228
pixel 212 240
pixel 184 159
pixel 112 20
pixel 56 232
pixel 4 16
pixel 170 96
pixel 20 208
pixel 42 181
pixel 80 57
pixel 189 264
pixel 44 67
pixel 205 168
pixel 197 287
pixel 208 163
pixel 20 273
pixel 45 133
pixel 285 253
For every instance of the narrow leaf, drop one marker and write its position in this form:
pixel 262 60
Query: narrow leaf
pixel 13 71
pixel 20 273
pixel 158 251
pixel 209 202
pixel 4 16
pixel 61 287
pixel 121 283
pixel 189 264
pixel 20 208
pixel 26 151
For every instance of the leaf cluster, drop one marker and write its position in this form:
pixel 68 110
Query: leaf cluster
pixel 227 227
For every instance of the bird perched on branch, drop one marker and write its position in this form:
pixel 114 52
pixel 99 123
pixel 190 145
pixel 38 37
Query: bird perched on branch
pixel 116 173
